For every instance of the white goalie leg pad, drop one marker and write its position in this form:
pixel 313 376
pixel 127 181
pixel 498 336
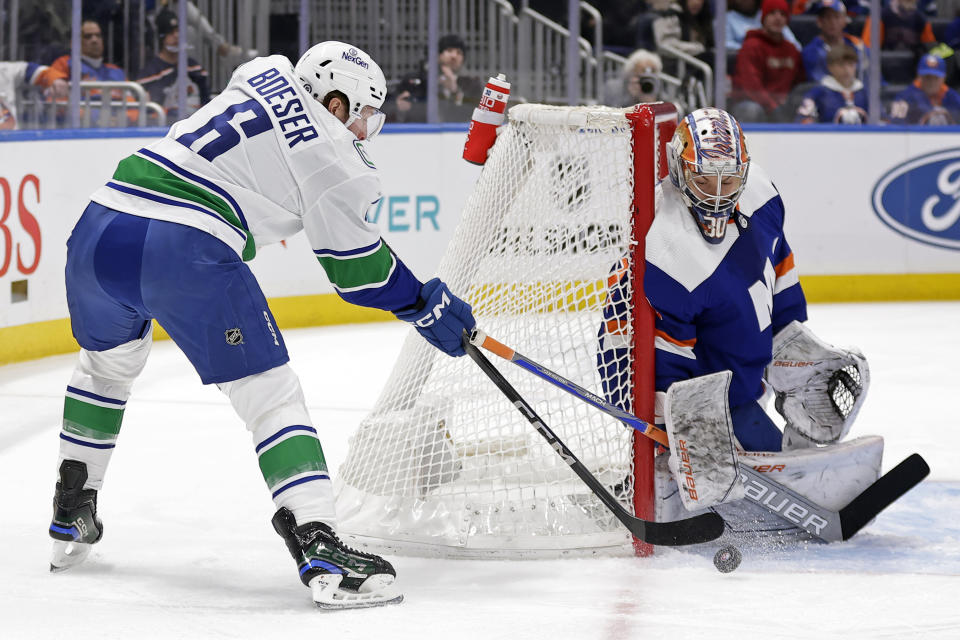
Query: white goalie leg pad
pixel 102 379
pixel 703 456
pixel 273 407
pixel 820 388
pixel 829 476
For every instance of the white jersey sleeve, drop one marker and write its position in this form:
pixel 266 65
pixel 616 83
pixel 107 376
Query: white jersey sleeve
pixel 260 162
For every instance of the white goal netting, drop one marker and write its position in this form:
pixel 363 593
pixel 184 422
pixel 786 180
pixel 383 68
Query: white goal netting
pixel 444 464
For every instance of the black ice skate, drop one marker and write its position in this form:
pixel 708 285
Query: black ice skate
pixel 75 525
pixel 338 576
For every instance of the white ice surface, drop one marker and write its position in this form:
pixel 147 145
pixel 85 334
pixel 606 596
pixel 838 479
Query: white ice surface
pixel 188 551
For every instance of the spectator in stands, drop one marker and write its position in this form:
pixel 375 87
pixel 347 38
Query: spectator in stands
pixel 853 7
pixel 686 25
pixel 159 74
pixel 619 22
pixel 639 82
pixel 831 20
pixel 840 97
pixel 458 94
pixel 18 75
pixel 902 28
pixel 745 16
pixel 768 67
pixel 928 101
pixel 43 28
pixel 201 31
pixel 94 68
pixel 92 65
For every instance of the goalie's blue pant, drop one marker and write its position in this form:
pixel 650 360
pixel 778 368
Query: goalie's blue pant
pixel 124 270
pixel 754 429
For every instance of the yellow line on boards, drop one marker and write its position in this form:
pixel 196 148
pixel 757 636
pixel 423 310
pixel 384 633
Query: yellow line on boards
pixel 40 339
pixel 899 287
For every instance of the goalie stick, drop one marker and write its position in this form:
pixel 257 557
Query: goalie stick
pixel 702 528
pixel 827 524
pixel 823 523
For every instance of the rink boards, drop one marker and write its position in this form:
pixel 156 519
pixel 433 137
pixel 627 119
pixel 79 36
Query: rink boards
pixel 872 214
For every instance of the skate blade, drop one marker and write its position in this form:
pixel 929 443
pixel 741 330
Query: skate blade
pixel 377 591
pixel 68 554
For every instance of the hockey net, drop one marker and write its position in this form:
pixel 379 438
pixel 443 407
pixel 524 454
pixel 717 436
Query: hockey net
pixel 444 464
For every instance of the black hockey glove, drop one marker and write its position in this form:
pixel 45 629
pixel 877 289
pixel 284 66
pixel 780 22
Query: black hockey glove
pixel 440 317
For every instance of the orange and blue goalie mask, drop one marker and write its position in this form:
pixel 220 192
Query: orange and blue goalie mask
pixel 708 164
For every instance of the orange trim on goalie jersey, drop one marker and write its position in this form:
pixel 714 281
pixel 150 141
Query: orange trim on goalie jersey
pixel 786 265
pixel 688 344
pixel 669 344
pixel 617 327
pixel 614 278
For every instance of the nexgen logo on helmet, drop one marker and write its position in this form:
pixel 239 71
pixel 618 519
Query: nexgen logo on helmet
pixel 337 66
pixel 708 164
pixel 353 57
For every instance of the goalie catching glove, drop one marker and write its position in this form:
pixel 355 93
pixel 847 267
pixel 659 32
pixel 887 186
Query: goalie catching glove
pixel 820 388
pixel 440 317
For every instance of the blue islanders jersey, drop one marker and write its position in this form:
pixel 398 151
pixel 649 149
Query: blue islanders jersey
pixel 913 106
pixel 829 102
pixel 717 306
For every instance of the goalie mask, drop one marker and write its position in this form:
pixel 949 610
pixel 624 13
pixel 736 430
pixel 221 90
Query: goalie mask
pixel 337 66
pixel 708 163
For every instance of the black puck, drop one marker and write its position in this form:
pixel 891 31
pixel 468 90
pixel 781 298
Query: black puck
pixel 727 559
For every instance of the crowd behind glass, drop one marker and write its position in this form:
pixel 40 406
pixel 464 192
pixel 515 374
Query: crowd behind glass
pixel 804 61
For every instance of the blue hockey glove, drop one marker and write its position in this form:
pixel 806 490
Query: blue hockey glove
pixel 440 317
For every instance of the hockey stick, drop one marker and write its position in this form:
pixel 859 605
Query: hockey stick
pixel 480 339
pixel 824 523
pixel 827 524
pixel 702 528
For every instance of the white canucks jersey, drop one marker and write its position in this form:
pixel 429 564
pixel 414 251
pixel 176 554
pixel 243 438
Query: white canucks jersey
pixel 257 164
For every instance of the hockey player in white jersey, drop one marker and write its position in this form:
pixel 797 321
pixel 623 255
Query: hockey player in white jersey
pixel 729 324
pixel 279 150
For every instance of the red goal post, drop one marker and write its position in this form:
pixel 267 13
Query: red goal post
pixel 653 126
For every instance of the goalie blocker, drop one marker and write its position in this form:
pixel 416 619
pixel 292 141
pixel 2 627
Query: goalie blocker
pixel 703 455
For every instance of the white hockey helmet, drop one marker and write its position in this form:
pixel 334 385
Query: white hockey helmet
pixel 338 66
pixel 708 163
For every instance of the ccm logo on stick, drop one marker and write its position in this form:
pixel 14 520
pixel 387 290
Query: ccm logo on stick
pixel 556 446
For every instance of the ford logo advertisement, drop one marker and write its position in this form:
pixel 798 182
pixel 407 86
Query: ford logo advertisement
pixel 920 199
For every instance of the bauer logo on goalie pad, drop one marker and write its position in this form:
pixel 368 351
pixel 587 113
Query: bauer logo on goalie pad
pixel 691 485
pixel 435 314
